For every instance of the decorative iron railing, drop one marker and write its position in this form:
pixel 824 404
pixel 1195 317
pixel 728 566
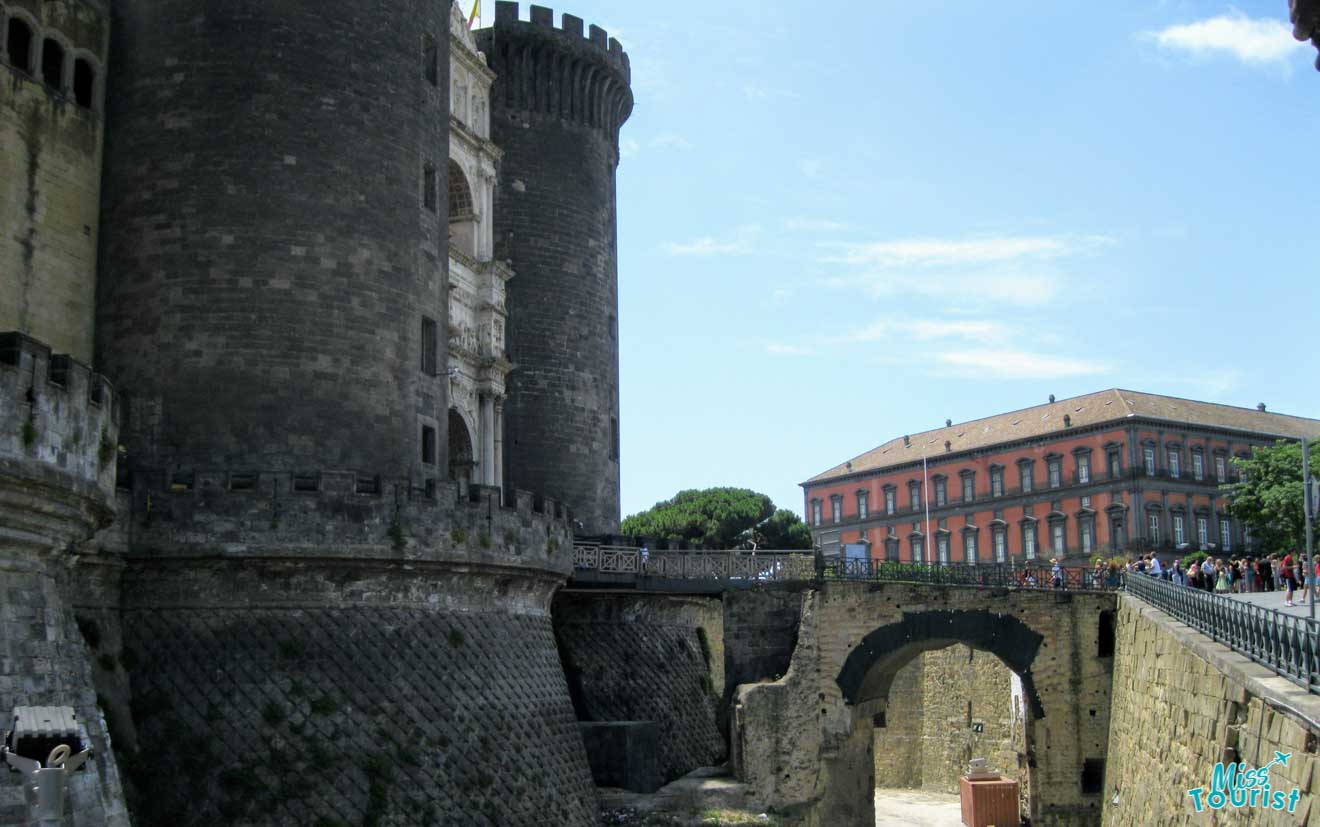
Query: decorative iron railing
pixel 1287 644
pixel 989 575
pixel 696 565
pixel 777 565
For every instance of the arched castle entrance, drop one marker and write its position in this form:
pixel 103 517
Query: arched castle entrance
pixel 461 459
pixel 804 744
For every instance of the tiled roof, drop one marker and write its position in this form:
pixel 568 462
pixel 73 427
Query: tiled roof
pixel 1092 409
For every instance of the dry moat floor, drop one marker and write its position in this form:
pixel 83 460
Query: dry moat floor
pixel 710 797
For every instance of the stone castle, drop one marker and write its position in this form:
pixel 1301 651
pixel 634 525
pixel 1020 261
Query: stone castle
pixel 312 378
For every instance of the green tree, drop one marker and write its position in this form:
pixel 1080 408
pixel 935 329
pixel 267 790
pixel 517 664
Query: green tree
pixel 783 530
pixel 719 518
pixel 1269 497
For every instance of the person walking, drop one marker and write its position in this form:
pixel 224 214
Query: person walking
pixel 1176 574
pixel 1289 579
pixel 1194 575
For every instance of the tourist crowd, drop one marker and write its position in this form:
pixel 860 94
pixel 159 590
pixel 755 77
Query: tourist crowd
pixel 1220 576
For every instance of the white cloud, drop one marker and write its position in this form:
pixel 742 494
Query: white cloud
pixel 810 167
pixel 628 147
pixel 1016 364
pixel 968 273
pixel 780 349
pixel 974 290
pixel 928 329
pixel 933 252
pixel 741 242
pixel 780 296
pixel 1250 40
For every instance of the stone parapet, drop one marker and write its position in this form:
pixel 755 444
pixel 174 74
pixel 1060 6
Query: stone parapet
pixel 1182 704
pixel 59 426
pixel 340 516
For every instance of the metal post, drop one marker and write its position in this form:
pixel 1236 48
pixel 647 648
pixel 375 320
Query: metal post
pixel 925 499
pixel 1306 507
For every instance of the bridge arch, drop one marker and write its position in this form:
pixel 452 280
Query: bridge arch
pixel 869 670
pixel 805 743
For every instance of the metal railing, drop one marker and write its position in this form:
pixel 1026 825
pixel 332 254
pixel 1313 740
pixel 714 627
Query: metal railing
pixel 988 575
pixel 1287 644
pixel 777 565
pixel 695 565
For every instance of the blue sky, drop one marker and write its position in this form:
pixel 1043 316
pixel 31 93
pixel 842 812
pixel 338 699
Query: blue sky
pixel 843 222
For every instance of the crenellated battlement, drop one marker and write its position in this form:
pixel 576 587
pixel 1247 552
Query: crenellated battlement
pixel 340 514
pixel 58 418
pixel 582 78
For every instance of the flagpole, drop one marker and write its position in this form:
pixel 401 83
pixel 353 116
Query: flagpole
pixel 925 498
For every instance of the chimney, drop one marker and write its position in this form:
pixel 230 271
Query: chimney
pixel 948 423
pixel 1051 397
pixel 1067 421
pixel 948 446
pixel 1260 406
pixel 849 465
pixel 906 440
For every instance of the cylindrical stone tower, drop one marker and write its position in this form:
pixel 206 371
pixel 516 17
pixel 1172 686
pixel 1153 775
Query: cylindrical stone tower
pixel 558 102
pixel 274 233
pixel 316 629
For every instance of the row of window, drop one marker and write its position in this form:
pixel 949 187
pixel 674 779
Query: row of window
pixel 1173 462
pixel 1057 536
pixel 47 59
pixel 1082 475
pixel 1000 549
pixel 1178 530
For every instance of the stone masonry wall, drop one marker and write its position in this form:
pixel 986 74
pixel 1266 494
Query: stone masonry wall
pixel 44 662
pixel 559 99
pixel 648 658
pixel 283 694
pixel 935 705
pixel 1183 703
pixel 50 179
pixel 804 743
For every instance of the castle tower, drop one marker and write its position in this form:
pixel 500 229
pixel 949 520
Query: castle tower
pixel 51 89
pixel 273 284
pixel 58 426
pixel 298 572
pixel 558 102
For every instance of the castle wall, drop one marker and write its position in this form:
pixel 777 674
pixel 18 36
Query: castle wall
pixel 1182 704
pixel 57 469
pixel 353 695
pixel 648 658
pixel 937 704
pixel 275 232
pixel 50 174
pixel 558 102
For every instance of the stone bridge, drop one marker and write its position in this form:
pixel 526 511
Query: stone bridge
pixel 810 652
pixel 803 743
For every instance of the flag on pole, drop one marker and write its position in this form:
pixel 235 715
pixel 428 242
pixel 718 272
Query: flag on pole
pixel 476 13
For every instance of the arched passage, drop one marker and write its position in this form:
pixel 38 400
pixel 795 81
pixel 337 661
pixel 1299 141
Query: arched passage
pixel 461 460
pixel 870 667
pixel 807 740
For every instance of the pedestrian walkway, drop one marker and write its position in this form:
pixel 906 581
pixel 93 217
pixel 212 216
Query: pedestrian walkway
pixel 1274 600
pixel 916 808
